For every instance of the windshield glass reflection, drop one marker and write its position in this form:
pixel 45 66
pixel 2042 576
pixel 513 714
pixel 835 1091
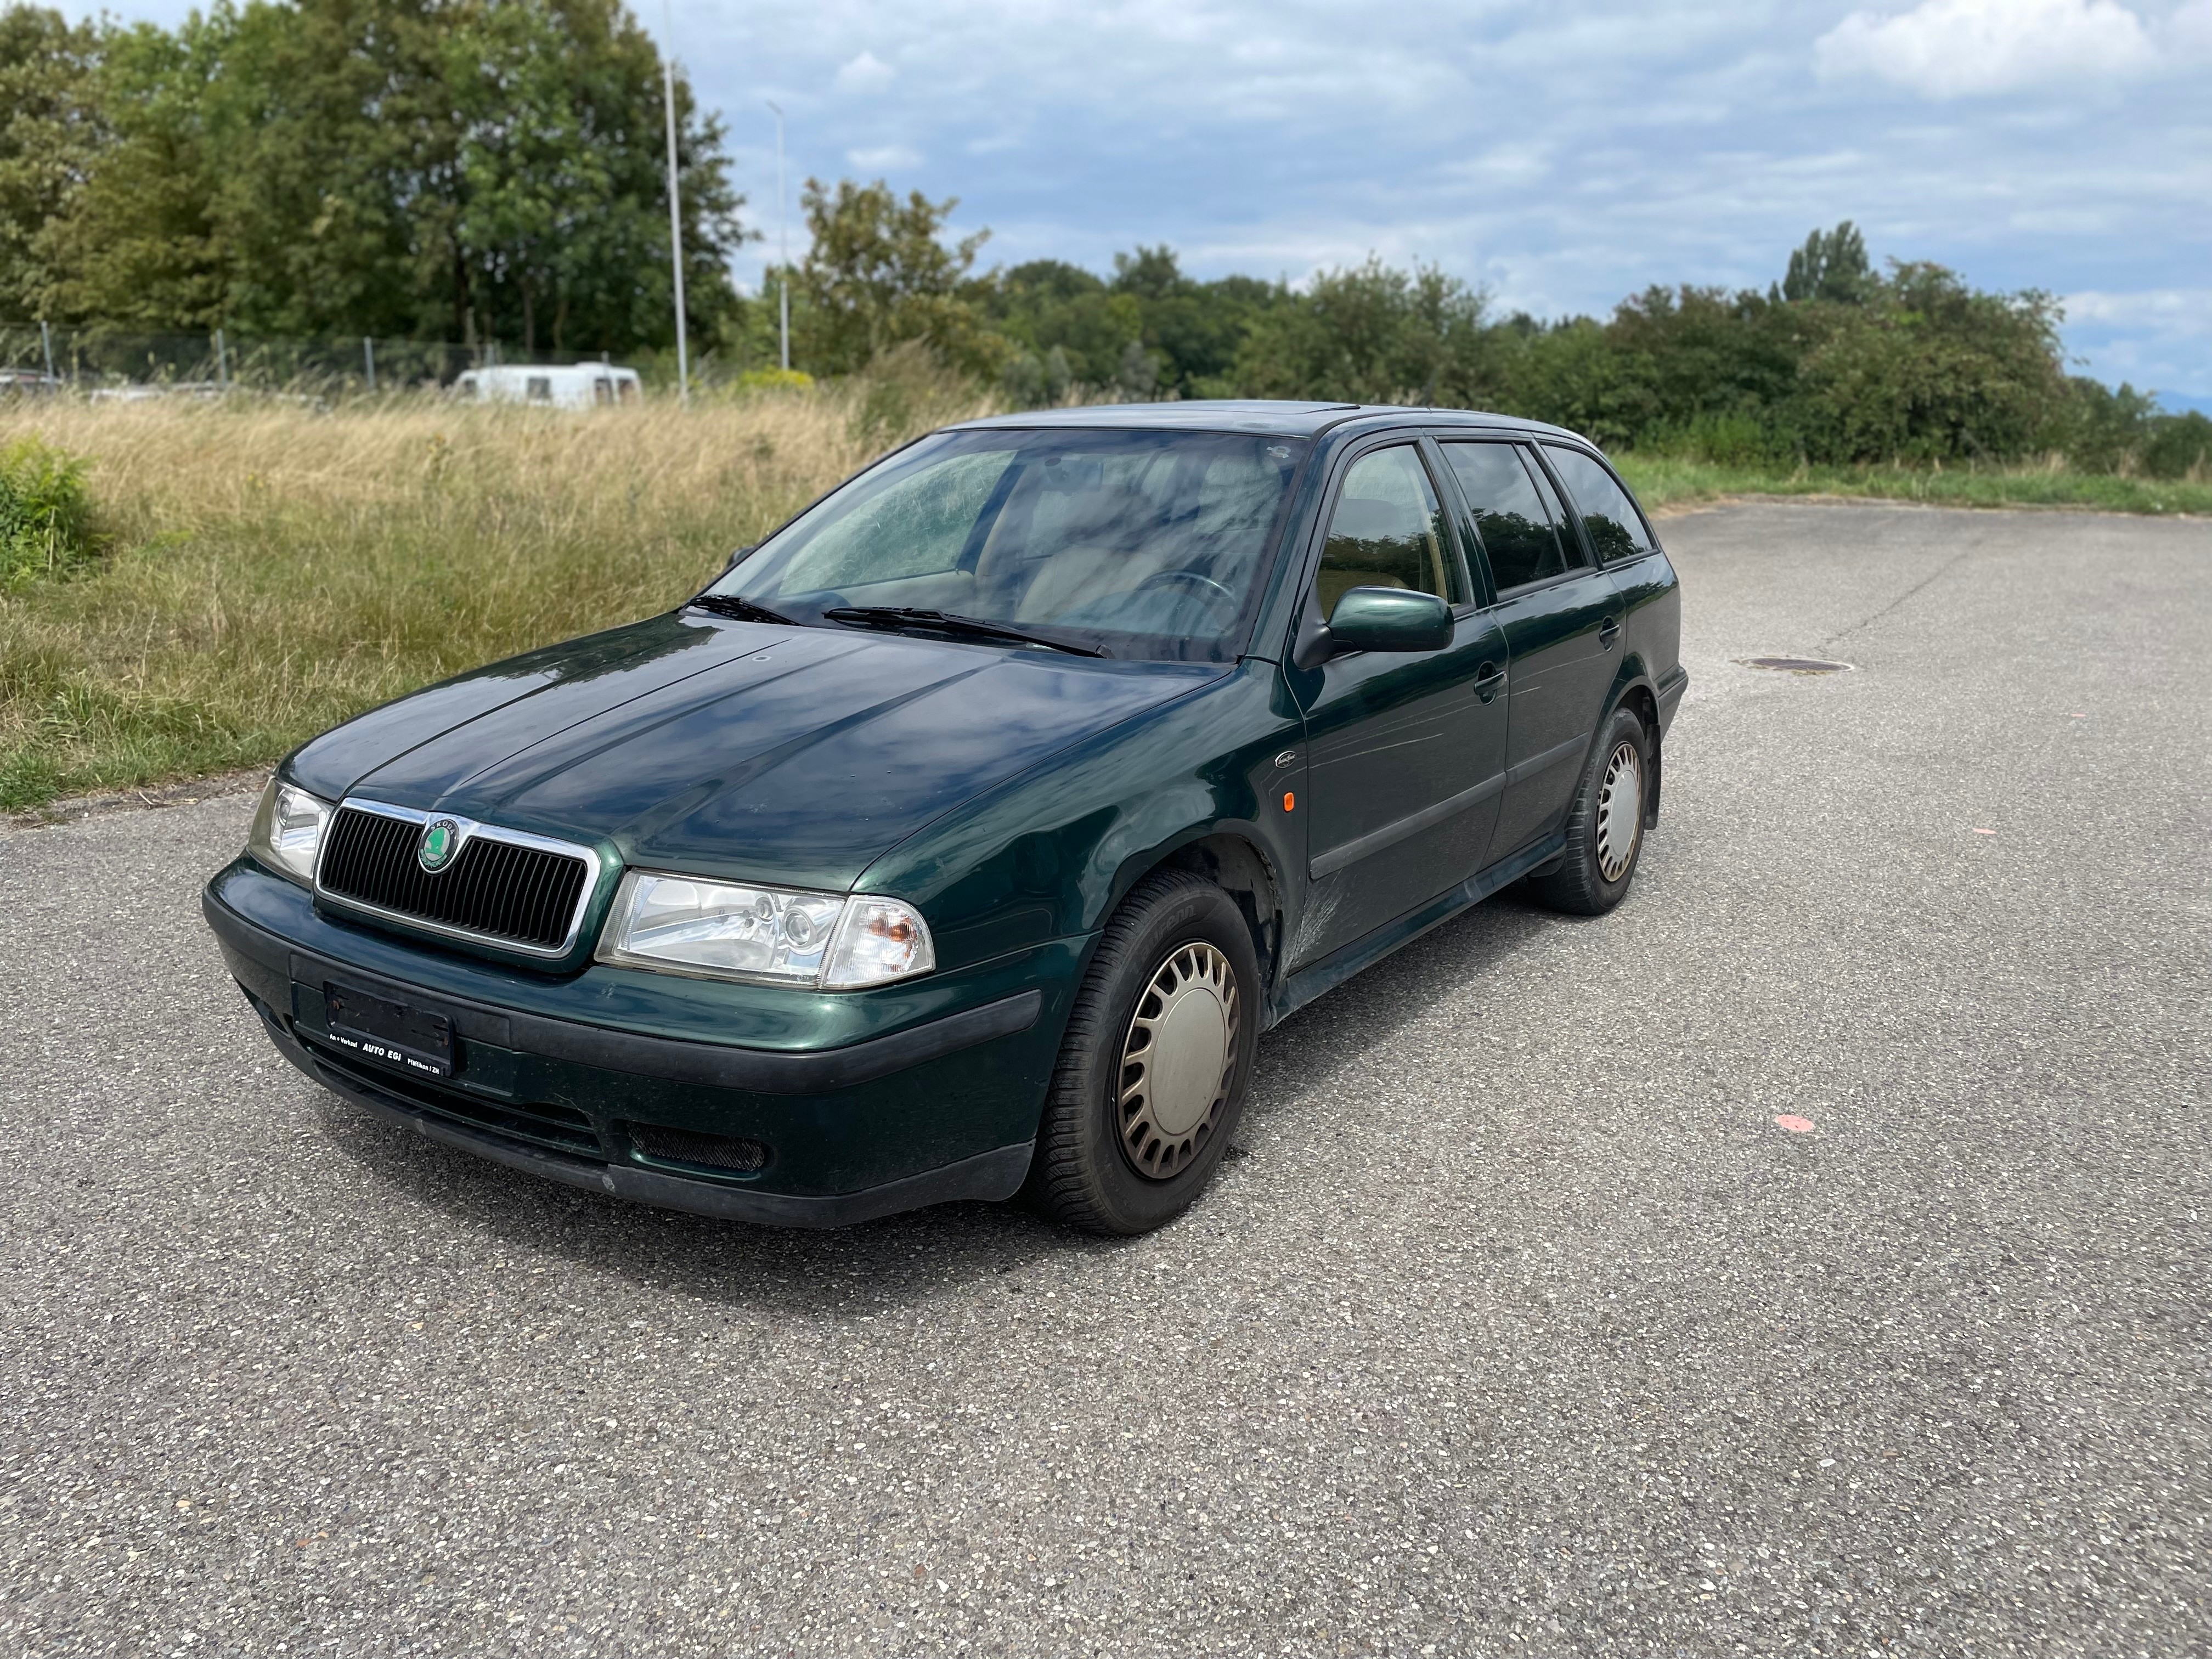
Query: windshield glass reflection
pixel 1141 544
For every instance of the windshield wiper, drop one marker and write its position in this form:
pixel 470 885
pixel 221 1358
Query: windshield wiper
pixel 897 617
pixel 729 604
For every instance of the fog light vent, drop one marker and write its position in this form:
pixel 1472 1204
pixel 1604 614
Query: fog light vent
pixel 727 1152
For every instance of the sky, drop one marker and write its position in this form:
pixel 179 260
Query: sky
pixel 1561 154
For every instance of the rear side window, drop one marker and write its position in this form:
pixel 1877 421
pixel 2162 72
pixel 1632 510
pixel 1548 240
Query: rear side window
pixel 1514 521
pixel 1387 531
pixel 1615 526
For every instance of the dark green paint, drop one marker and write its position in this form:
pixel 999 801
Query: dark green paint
pixel 1390 619
pixel 1014 796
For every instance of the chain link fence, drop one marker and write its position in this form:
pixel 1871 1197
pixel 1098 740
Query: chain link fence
pixel 105 362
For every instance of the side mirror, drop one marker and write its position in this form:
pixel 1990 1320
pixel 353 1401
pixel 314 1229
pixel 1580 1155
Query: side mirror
pixel 734 557
pixel 1390 619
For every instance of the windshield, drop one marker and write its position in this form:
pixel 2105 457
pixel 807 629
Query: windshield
pixel 1139 544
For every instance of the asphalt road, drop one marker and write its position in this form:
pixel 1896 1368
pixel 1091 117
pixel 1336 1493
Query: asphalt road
pixel 1518 1327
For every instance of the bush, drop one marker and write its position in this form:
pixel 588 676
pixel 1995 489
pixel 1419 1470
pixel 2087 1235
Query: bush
pixel 775 379
pixel 908 389
pixel 2179 447
pixel 46 514
pixel 2098 428
pixel 1743 439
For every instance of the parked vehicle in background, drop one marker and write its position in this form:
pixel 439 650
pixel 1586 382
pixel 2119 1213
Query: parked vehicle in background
pixel 143 391
pixel 963 837
pixel 572 385
pixel 28 383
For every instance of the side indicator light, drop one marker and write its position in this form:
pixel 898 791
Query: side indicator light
pixel 1290 801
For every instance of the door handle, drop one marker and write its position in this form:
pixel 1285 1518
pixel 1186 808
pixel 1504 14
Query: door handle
pixel 1487 679
pixel 1607 632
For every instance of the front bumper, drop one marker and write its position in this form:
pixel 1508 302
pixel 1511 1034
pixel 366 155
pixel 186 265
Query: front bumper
pixel 940 1107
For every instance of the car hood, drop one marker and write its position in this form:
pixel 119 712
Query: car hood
pixel 689 742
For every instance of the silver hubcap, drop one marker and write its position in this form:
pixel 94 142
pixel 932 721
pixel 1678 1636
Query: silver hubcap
pixel 1177 1058
pixel 1619 812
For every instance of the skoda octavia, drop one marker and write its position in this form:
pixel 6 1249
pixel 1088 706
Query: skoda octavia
pixel 960 840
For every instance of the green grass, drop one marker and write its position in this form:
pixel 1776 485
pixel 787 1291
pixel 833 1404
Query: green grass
pixel 231 580
pixel 1663 481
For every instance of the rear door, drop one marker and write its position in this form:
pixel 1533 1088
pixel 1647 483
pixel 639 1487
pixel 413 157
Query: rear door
pixel 1561 618
pixel 1406 750
pixel 1649 595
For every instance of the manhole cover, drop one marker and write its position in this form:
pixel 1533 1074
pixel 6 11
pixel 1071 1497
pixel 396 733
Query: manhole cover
pixel 1795 665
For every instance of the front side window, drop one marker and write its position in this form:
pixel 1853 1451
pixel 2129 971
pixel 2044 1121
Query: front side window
pixel 1140 544
pixel 538 389
pixel 1387 531
pixel 1515 522
pixel 1615 528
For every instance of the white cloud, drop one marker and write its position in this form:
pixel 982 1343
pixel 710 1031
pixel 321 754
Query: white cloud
pixel 882 158
pixel 2159 338
pixel 866 73
pixel 2192 29
pixel 2172 311
pixel 1565 155
pixel 1960 48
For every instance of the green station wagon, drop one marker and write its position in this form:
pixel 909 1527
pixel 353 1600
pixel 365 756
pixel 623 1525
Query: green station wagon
pixel 962 839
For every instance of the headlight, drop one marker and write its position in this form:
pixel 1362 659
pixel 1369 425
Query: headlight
pixel 288 830
pixel 727 930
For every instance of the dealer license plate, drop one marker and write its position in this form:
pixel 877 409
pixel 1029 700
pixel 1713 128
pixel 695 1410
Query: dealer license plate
pixel 390 1033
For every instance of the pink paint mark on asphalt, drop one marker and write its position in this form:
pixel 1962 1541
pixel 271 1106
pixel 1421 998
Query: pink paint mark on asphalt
pixel 1796 1126
pixel 1984 832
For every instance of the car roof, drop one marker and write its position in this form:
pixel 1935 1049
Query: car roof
pixel 1274 417
pixel 551 369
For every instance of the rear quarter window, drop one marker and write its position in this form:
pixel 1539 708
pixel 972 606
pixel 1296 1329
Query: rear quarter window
pixel 1615 528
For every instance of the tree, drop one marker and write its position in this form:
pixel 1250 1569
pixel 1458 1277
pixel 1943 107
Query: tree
pixel 1832 266
pixel 1372 334
pixel 1148 331
pixel 1192 330
pixel 879 275
pixel 1932 370
pixel 563 212
pixel 487 169
pixel 46 116
pixel 137 244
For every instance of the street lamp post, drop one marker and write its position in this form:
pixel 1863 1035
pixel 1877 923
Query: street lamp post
pixel 675 205
pixel 782 239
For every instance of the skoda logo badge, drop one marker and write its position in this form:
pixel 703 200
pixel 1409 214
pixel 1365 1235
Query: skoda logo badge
pixel 442 838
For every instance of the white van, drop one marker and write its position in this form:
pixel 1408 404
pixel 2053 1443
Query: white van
pixel 567 386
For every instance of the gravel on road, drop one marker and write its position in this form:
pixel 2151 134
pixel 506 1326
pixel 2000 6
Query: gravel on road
pixel 1516 1324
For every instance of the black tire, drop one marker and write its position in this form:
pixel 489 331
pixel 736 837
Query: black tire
pixel 1581 885
pixel 1173 924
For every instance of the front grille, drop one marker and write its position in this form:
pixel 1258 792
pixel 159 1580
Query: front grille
pixel 540 1123
pixel 728 1153
pixel 495 888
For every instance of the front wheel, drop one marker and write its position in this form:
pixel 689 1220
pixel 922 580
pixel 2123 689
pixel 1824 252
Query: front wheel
pixel 1605 826
pixel 1152 1073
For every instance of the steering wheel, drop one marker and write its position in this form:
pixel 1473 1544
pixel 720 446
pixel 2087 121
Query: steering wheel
pixel 1210 591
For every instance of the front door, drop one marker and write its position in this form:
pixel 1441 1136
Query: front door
pixel 1561 617
pixel 1406 750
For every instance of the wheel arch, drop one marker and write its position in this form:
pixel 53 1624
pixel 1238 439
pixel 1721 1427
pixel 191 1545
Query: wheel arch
pixel 1638 697
pixel 1239 865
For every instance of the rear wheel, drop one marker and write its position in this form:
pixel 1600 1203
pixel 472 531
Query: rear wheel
pixel 1152 1071
pixel 1605 826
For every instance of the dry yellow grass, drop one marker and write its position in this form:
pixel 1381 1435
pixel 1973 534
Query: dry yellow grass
pixel 273 570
